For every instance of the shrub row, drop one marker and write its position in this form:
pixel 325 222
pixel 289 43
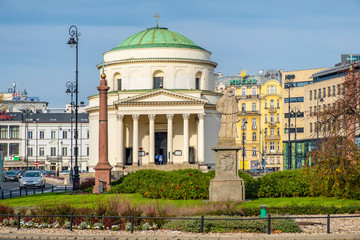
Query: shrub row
pixel 253 226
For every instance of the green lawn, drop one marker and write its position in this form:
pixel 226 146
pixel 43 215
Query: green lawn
pixel 91 199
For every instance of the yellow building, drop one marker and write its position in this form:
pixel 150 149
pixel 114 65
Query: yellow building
pixel 259 99
pixel 271 124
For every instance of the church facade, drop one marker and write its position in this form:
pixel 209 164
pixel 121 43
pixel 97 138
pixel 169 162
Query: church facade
pixel 161 103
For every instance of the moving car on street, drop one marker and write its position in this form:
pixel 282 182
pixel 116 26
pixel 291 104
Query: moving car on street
pixel 10 176
pixel 32 178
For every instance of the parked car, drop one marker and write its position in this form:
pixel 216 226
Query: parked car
pixel 33 178
pixel 64 172
pixel 10 176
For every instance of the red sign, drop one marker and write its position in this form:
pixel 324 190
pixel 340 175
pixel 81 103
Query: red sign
pixel 4 116
pixel 36 163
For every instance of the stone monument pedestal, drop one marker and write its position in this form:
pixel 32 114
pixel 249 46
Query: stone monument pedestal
pixel 226 186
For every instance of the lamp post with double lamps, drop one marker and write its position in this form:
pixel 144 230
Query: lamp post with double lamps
pixel 74 42
pixel 319 99
pixel 295 111
pixel 70 90
pixel 27 109
pixel 243 126
pixel 289 84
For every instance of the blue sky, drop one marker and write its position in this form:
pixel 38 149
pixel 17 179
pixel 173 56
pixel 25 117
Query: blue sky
pixel 251 35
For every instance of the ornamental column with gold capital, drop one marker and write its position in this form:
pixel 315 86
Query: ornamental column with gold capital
pixel 103 168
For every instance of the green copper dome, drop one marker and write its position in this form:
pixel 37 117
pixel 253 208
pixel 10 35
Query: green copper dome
pixel 157 37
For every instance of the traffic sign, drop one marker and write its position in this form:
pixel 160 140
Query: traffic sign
pixel 36 163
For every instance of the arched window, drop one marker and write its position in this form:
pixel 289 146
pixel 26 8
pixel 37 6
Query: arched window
pixel 198 80
pixel 254 136
pixel 117 82
pixel 158 80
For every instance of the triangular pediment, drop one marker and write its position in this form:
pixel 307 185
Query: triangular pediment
pixel 161 97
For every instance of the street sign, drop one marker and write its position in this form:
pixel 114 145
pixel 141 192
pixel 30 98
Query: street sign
pixel 36 163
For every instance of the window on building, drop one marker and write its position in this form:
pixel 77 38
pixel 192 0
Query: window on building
pixel 278 146
pixel 41 151
pixel 254 91
pixel 278 117
pixel 87 151
pixel 254 123
pixel 339 89
pixel 329 92
pixel 311 111
pixel 13 149
pixel 272 103
pixel 278 131
pixel 4 149
pixel 197 83
pixel 243 107
pixel 53 151
pixel 319 90
pixel 324 92
pixel 315 95
pixel 64 134
pixel 30 152
pixel 272 160
pixel 119 84
pixel 310 95
pixel 53 134
pixel 315 110
pixel 272 146
pixel 30 134
pixel 254 107
pixel 272 89
pixel 254 136
pixel 3 132
pixel 88 134
pixel 266 146
pixel 243 92
pixel 266 104
pixel 272 132
pixel 64 151
pixel 278 103
pixel 42 135
pixel 334 92
pixel 266 118
pixel 14 132
pixel 254 151
pixel 266 131
pixel 272 118
pixel 158 82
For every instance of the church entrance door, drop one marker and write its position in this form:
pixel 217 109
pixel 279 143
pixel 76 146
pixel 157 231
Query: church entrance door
pixel 128 156
pixel 160 148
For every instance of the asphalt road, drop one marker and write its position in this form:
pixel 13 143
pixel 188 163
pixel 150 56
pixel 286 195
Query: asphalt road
pixel 12 189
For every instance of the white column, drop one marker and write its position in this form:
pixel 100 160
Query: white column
pixel 152 138
pixel 170 136
pixel 135 139
pixel 186 137
pixel 201 138
pixel 120 140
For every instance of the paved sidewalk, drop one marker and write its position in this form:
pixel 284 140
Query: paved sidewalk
pixel 180 236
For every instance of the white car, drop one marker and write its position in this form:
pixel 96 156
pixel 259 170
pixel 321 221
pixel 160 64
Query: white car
pixel 32 179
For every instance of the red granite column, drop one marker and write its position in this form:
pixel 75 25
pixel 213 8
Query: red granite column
pixel 103 168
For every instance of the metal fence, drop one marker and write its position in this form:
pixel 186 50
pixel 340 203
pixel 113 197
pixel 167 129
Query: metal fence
pixel 32 191
pixel 201 219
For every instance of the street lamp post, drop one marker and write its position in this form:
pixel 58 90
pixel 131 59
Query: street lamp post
pixel 26 109
pixel 317 117
pixel 290 78
pixel 70 90
pixel 295 111
pixel 74 41
pixel 58 152
pixel 243 142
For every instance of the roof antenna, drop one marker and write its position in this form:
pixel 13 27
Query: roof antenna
pixel 157 18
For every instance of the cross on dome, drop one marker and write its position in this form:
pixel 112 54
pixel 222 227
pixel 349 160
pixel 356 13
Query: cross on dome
pixel 157 18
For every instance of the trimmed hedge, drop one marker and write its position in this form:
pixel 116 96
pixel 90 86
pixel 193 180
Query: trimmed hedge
pixel 251 185
pixel 179 184
pixel 290 183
